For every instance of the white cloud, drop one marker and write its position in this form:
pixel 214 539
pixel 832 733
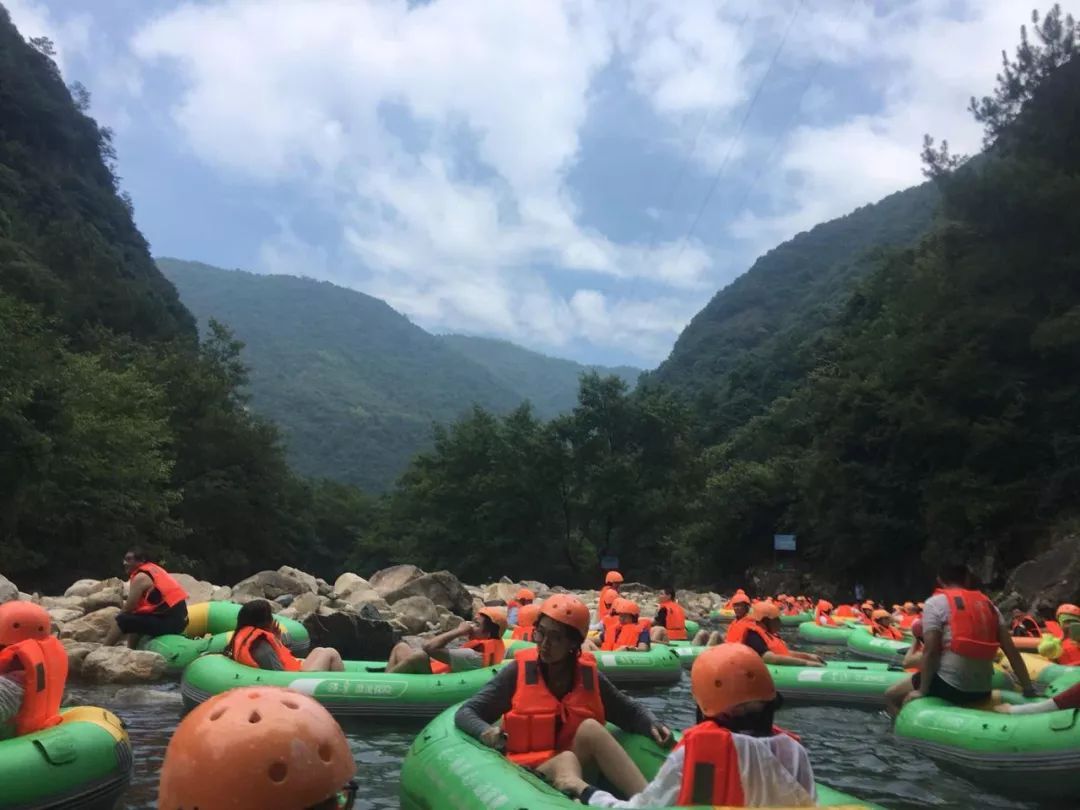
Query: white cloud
pixel 69 36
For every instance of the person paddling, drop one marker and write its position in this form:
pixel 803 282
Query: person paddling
pixel 733 757
pixel 257 643
pixel 156 604
pixel 33 670
pixel 552 698
pixel 484 647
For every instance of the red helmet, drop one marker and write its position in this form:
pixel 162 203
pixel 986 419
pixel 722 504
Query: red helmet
pixel 1068 613
pixel 765 610
pixel 880 614
pixel 739 598
pixel 613 577
pixel 525 593
pixel 824 606
pixel 727 675
pixel 568 610
pixel 497 615
pixel 20 621
pixel 627 606
pixel 527 615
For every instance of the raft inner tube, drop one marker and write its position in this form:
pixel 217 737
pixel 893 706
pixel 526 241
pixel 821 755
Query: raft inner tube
pixel 661 665
pixel 864 644
pixel 815 633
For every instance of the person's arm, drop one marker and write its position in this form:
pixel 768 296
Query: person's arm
pixel 661 617
pixel 1016 661
pixel 478 715
pixel 11 696
pixel 913 657
pixel 435 647
pixel 931 660
pixel 628 714
pixel 265 657
pixel 140 585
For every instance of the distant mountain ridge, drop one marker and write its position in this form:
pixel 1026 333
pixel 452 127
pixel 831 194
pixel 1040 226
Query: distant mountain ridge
pixel 354 385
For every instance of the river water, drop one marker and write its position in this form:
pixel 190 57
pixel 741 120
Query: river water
pixel 851 749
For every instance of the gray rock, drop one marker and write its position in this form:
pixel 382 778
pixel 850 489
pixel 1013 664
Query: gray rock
pixel 269 585
pixel 122 665
pixel 416 613
pixel 8 591
pixel 304 605
pixel 65 602
pixel 1051 578
pixel 83 587
pixel 325 588
pixel 394 578
pixel 91 627
pixel 356 637
pixel 76 653
pixel 307 580
pixel 285 599
pixel 198 590
pixel 221 593
pixel 442 588
pixel 63 615
pixel 109 593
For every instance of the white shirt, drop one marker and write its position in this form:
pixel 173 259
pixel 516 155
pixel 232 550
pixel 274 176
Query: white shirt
pixel 958 671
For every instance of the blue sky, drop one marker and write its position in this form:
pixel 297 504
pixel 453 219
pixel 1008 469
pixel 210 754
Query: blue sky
pixel 578 177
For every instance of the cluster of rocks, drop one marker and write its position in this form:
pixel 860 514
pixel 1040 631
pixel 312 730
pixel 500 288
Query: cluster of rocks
pixel 361 618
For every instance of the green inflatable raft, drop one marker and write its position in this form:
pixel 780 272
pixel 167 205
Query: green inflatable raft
pixel 814 633
pixel 444 761
pixel 84 763
pixel 364 689
pixel 209 630
pixel 659 666
pixel 864 644
pixel 1033 755
pixel 795 619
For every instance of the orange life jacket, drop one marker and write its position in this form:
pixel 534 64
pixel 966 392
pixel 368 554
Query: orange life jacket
pixel 829 620
pixel 608 595
pixel 1028 624
pixel 539 725
pixel 710 773
pixel 847 611
pixel 1070 653
pixel 625 635
pixel 169 591
pixel 242 640
pixel 523 632
pixel 774 643
pixel 1054 629
pixel 611 625
pixel 973 622
pixel 907 620
pixel 44 664
pixel 492 650
pixel 674 620
pixel 881 631
pixel 737 629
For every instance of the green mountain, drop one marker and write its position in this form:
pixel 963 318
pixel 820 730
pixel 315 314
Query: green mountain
pixel 549 383
pixel 354 385
pixel 756 338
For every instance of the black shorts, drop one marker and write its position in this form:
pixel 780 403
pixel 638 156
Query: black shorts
pixel 940 689
pixel 172 620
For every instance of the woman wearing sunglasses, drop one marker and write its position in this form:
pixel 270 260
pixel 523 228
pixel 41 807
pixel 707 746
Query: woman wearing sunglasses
pixel 555 679
pixel 261 747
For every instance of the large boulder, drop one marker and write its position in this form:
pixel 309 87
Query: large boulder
pixel 394 578
pixel 198 590
pixel 93 626
pixel 354 591
pixel 8 591
pixel 65 602
pixel 415 613
pixel 270 585
pixel 500 591
pixel 442 588
pixel 303 606
pixel 61 615
pixel 122 665
pixel 83 587
pixel 76 653
pixel 358 636
pixel 109 593
pixel 1049 579
pixel 309 581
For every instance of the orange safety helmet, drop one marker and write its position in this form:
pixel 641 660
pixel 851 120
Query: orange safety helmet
pixel 728 675
pixel 880 614
pixel 916 629
pixel 622 606
pixel 739 598
pixel 568 610
pixel 613 577
pixel 274 748
pixel 497 615
pixel 20 621
pixel 909 607
pixel 1068 613
pixel 527 615
pixel 525 593
pixel 765 610
pixel 824 605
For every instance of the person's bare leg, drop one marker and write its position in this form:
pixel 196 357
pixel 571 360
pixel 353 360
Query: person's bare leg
pixel 700 639
pixel 323 659
pixel 715 638
pixel 894 696
pixel 658 635
pixel 593 744
pixel 564 771
pixel 113 636
pixel 405 660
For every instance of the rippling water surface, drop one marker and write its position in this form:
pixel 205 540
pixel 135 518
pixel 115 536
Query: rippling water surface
pixel 851 749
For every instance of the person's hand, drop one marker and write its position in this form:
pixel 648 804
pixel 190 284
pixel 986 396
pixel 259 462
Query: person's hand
pixel 814 662
pixel 661 734
pixel 494 737
pixel 464 628
pixel 1029 692
pixel 1003 708
pixel 914 694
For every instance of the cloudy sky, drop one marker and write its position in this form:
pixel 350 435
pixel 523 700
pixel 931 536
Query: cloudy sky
pixel 579 177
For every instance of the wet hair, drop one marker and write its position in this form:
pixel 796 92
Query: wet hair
pixel 256 613
pixel 489 628
pixel 954 573
pixel 754 724
pixel 140 554
pixel 670 590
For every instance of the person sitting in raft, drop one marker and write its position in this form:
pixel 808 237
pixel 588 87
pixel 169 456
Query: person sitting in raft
pixel 27 646
pixel 733 757
pixel 1024 625
pixel 909 613
pixel 484 648
pixel 608 594
pixel 527 616
pixel 761 633
pixel 962 631
pixel 156 604
pixel 258 747
pixel 670 621
pixel 1066 650
pixel 629 634
pixel 257 643
pixel 523 597
pixel 823 614
pixel 896 694
pixel 882 626
pixel 740 606
pixel 552 698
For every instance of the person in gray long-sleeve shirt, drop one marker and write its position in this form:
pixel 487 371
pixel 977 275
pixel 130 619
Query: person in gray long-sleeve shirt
pixel 555 671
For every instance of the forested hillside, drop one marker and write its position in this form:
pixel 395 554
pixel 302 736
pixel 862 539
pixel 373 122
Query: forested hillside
pixel 937 418
pixel 117 427
pixel 354 385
